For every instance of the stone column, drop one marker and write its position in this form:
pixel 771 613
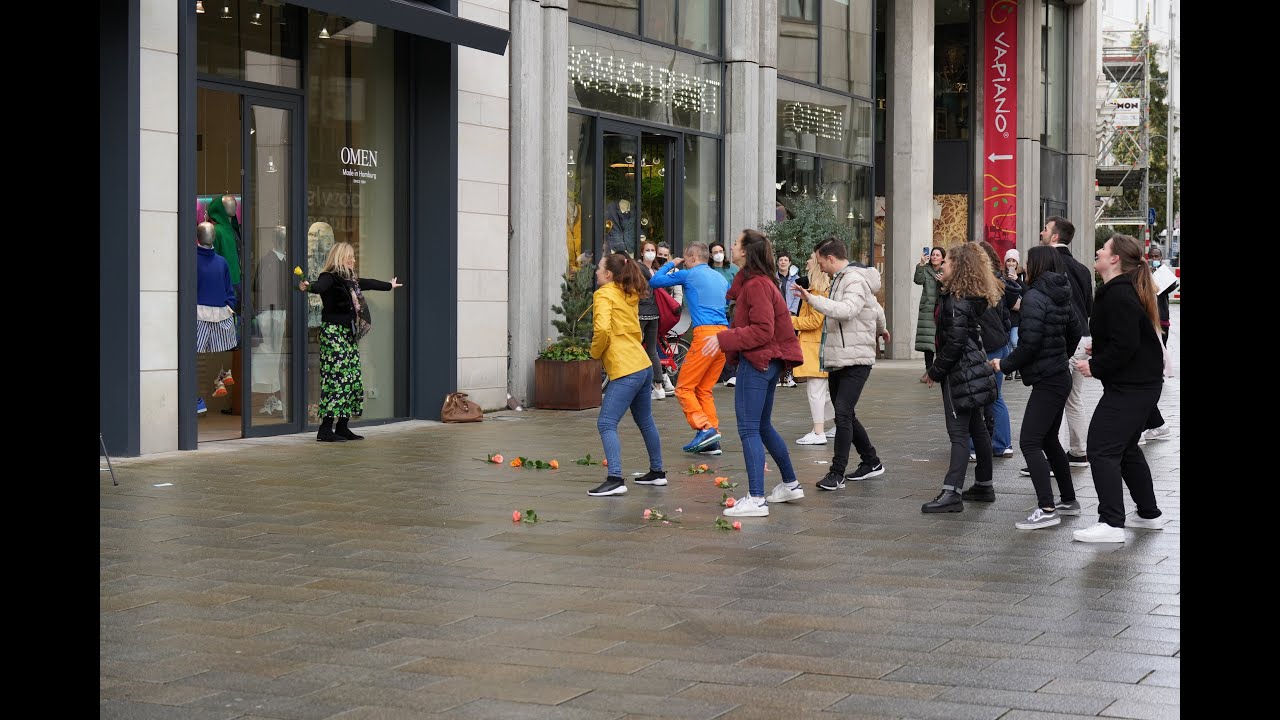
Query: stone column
pixel 909 175
pixel 1082 143
pixel 524 309
pixel 742 118
pixel 768 110
pixel 1030 124
pixel 555 156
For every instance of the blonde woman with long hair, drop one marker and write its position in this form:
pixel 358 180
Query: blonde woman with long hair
pixel 1127 355
pixel 808 324
pixel 968 289
pixel 344 319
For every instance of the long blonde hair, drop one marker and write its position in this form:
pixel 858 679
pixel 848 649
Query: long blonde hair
pixel 819 282
pixel 336 261
pixel 971 274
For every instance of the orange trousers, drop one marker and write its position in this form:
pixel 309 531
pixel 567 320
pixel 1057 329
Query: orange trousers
pixel 698 376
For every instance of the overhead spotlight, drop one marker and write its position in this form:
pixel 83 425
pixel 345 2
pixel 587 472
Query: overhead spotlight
pixel 257 19
pixel 324 33
pixel 199 7
pixel 226 12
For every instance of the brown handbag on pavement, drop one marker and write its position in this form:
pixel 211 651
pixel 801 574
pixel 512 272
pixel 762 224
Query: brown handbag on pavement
pixel 457 408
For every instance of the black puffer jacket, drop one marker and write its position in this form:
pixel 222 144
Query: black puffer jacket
pixel 1127 350
pixel 1047 321
pixel 961 359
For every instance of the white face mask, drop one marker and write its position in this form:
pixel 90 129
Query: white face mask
pixel 649 256
pixel 718 257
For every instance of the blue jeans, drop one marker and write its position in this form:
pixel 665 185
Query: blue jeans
pixel 1013 338
pixel 1001 433
pixel 753 405
pixel 629 391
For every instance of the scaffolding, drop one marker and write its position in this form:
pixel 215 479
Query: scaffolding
pixel 1124 135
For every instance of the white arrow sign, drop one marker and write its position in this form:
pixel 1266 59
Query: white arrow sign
pixel 994 157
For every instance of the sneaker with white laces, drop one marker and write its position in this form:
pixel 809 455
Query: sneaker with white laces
pixel 781 493
pixel 812 438
pixel 1070 508
pixel 1100 533
pixel 748 506
pixel 1161 433
pixel 831 481
pixel 831 433
pixel 1155 523
pixel 1039 518
pixel 731 382
pixel 653 477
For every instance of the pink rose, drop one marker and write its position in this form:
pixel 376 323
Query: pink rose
pixel 737 524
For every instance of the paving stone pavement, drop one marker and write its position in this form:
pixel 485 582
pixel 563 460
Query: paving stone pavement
pixel 384 579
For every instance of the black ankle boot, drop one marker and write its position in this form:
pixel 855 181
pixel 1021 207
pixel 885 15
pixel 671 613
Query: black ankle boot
pixel 948 501
pixel 343 431
pixel 327 434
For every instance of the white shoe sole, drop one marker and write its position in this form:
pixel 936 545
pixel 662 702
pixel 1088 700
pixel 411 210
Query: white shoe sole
pixel 717 451
pixel 744 511
pixel 622 490
pixel 1145 524
pixel 792 495
pixel 1073 513
pixel 873 473
pixel 1023 525
pixel 1096 538
pixel 1077 463
pixel 810 441
pixel 658 481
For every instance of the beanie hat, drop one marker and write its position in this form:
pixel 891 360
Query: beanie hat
pixel 1012 253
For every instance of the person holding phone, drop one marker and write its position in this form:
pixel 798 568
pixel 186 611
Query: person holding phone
pixel 928 273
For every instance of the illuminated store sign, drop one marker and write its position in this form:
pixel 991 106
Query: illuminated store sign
pixel 808 119
pixel 647 83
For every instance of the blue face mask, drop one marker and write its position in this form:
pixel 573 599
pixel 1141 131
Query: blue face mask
pixel 1155 263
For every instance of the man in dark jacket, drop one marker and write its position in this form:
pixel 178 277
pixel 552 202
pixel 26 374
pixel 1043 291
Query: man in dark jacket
pixel 1058 232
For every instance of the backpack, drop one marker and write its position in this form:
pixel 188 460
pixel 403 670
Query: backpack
pixel 668 311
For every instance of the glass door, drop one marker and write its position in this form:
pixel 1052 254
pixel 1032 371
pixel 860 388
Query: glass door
pixel 638 201
pixel 272 252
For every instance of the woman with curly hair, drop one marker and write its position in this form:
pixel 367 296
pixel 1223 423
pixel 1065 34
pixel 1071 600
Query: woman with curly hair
pixel 968 289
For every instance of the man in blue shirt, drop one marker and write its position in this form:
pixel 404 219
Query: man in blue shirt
pixel 704 293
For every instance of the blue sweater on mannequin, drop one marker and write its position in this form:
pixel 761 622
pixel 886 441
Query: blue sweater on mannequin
pixel 213 279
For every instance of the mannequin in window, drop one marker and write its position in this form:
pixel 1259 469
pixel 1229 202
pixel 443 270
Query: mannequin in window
pixel 272 288
pixel 573 238
pixel 319 240
pixel 215 319
pixel 620 226
pixel 221 211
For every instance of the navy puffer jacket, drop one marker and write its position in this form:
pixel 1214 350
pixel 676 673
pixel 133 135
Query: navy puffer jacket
pixel 1047 320
pixel 961 359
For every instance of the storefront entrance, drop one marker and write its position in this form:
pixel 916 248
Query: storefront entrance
pixel 246 175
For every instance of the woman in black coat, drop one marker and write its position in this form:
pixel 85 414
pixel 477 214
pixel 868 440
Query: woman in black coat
pixel 1127 356
pixel 1041 358
pixel 968 383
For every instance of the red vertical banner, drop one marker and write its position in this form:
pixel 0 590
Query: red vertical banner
pixel 1000 124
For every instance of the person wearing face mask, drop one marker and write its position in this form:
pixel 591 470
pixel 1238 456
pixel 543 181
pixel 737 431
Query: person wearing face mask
pixel 649 317
pixel 785 278
pixel 720 263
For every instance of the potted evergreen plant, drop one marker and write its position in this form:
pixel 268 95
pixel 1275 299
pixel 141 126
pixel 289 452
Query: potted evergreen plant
pixel 565 377
pixel 813 219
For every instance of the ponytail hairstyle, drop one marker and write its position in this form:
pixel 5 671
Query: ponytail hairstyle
pixel 627 274
pixel 1129 250
pixel 759 254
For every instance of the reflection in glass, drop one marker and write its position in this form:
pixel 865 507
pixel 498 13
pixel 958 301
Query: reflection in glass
pixel 654 205
pixel 626 77
pixel 581 180
pixel 621 217
pixel 271 271
pixel 953 79
pixel 798 39
pixel 621 15
pixel 250 40
pixel 817 121
pixel 701 191
pixel 1053 76
pixel 692 24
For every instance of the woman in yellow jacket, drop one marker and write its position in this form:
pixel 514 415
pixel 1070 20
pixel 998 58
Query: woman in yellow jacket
pixel 617 342
pixel 809 324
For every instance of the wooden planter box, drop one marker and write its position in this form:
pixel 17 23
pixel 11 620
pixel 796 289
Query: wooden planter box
pixel 567 385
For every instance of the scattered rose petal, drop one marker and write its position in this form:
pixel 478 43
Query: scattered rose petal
pixel 666 522
pixel 555 464
pixel 605 462
pixel 497 459
pixel 730 502
pixel 679 509
pixel 515 516
pixel 737 524
pixel 647 513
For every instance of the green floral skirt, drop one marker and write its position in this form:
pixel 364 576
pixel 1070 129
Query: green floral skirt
pixel 341 388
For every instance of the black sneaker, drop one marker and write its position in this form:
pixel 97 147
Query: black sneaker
pixel 832 481
pixel 611 486
pixel 980 493
pixel 1077 460
pixel 653 477
pixel 1027 472
pixel 865 471
pixel 948 501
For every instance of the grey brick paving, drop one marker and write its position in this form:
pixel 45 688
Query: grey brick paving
pixel 281 579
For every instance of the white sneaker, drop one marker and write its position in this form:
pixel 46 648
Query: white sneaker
pixel 789 383
pixel 812 438
pixel 1100 533
pixel 657 393
pixel 1038 519
pixel 831 433
pixel 748 506
pixel 731 381
pixel 1161 433
pixel 781 493
pixel 973 457
pixel 1145 523
pixel 667 387
pixel 1142 438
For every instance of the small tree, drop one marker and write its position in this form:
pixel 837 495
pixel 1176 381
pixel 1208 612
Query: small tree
pixel 813 219
pixel 574 342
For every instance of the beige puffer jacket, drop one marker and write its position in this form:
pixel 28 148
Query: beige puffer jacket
pixel 854 318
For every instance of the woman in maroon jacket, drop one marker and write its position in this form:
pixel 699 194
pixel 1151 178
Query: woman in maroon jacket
pixel 760 342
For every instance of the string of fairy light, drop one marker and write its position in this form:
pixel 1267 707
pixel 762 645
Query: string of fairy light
pixel 809 119
pixel 591 70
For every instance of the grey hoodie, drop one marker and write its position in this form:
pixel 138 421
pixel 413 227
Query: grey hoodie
pixel 854 318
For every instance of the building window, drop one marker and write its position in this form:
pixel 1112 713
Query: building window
pixel 253 41
pixel 824 123
pixel 827 43
pixel 1054 75
pixel 952 78
pixel 690 24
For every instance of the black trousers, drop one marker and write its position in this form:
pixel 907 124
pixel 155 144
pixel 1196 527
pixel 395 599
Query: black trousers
pixel 1038 438
pixel 649 328
pixel 1114 455
pixel 845 385
pixel 961 426
pixel 928 359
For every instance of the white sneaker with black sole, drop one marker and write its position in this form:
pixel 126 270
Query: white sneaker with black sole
pixel 1039 518
pixel 865 471
pixel 611 486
